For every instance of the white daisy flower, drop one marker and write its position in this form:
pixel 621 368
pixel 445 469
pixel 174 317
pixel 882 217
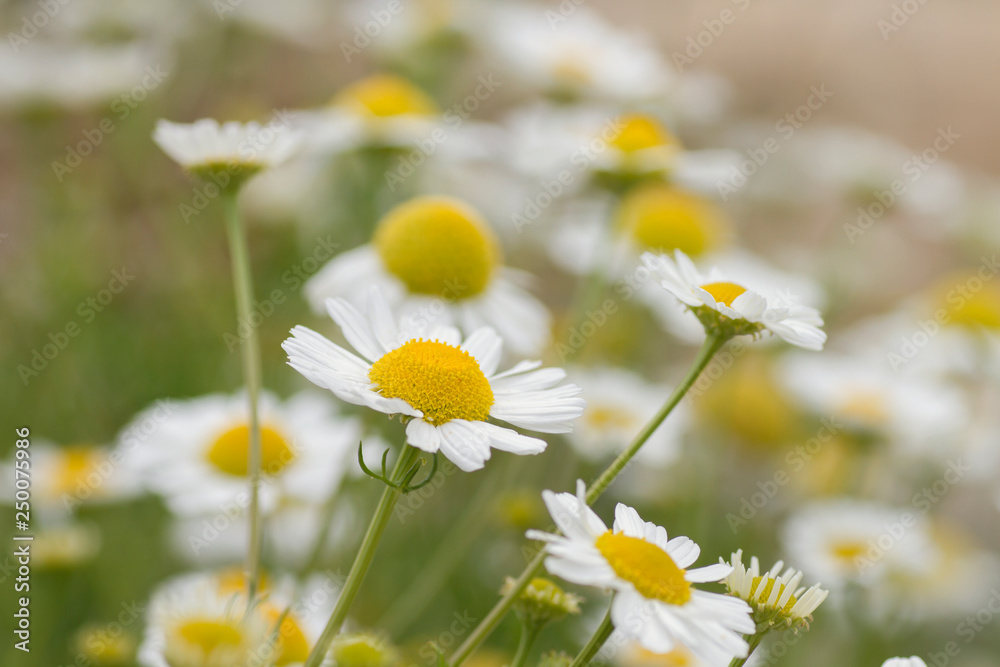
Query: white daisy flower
pixel 634 655
pixel 435 259
pixel 63 478
pixel 205 146
pixel 746 311
pixel 619 404
pixel 912 661
pixel 775 596
pixel 577 56
pixel 202 620
pixel 842 541
pixel 448 388
pixel 655 602
pixel 197 458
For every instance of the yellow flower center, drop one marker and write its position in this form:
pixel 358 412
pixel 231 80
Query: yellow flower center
pixel 209 635
pixel 847 551
pixel 646 566
pixel 762 594
pixel 442 381
pixel 230 452
pixel 571 72
pixel 679 657
pixel 724 292
pixel 438 246
pixel 981 309
pixel 361 650
pixel 868 407
pixel 385 95
pixel 639 132
pixel 293 646
pixel 607 417
pixel 74 465
pixel 664 219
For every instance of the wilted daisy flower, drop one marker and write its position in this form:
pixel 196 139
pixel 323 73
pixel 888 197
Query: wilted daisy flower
pixel 446 387
pixel 228 153
pixel 202 620
pixel 436 260
pixel 776 597
pixel 912 661
pixel 197 458
pixel 63 478
pixel 542 601
pixel 842 541
pixel 654 600
pixel 728 307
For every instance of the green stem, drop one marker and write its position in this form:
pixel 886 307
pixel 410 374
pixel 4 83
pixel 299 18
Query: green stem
pixel 596 642
pixel 712 344
pixel 753 641
pixel 363 561
pixel 529 633
pixel 243 286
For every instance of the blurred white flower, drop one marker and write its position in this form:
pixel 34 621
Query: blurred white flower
pixel 448 387
pixel 655 602
pixel 437 261
pixel 197 458
pixel 842 541
pixel 913 661
pixel 206 146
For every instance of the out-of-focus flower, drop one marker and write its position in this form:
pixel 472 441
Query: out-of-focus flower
pixel 731 308
pixel 77 76
pixel 446 387
pixel 202 620
pixel 842 541
pixel 619 404
pixel 655 602
pixel 578 56
pixel 775 596
pixel 197 458
pixel 634 654
pixel 64 478
pixel 363 649
pixel 913 661
pixel 542 601
pixel 104 648
pixel 236 150
pixel 436 260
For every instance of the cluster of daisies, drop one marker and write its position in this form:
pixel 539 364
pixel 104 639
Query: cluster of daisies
pixel 429 318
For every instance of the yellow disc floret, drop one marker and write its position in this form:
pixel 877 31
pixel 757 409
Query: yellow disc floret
pixel 442 381
pixel 385 95
pixel 665 219
pixel 211 634
pixel 724 292
pixel 292 644
pixel 646 566
pixel 230 452
pixel 639 132
pixel 438 246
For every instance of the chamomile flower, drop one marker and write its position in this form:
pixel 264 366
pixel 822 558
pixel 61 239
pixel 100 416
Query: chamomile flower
pixel 435 259
pixel 579 56
pixel 64 478
pixel 634 655
pixel 239 150
pixel 730 307
pixel 843 541
pixel 912 661
pixel 654 601
pixel 619 404
pixel 775 595
pixel 448 388
pixel 202 620
pixel 197 458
